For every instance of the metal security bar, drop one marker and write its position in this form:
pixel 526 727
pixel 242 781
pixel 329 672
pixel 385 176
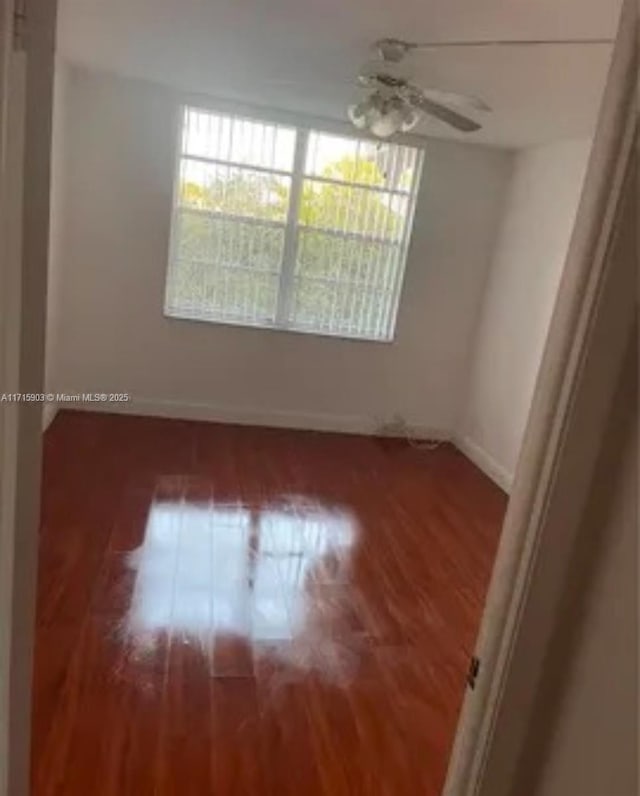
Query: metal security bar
pixel 284 228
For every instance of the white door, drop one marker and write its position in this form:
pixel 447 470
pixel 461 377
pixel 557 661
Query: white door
pixel 27 35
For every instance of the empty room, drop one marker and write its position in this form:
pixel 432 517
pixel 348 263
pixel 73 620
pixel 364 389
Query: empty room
pixel 303 259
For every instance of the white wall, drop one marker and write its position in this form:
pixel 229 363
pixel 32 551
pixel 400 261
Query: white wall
pixel 520 293
pixel 112 335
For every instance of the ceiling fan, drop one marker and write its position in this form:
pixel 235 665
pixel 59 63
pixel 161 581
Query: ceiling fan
pixel 394 103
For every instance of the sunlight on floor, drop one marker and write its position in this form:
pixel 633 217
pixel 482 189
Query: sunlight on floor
pixel 266 576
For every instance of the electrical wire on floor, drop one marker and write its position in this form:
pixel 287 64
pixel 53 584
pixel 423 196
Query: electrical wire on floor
pixel 423 444
pixel 398 428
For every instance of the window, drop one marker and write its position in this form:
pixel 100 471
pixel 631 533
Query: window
pixel 289 228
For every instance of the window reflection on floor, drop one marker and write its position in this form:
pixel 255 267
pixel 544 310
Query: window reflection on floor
pixel 262 574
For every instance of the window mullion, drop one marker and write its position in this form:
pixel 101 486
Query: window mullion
pixel 285 293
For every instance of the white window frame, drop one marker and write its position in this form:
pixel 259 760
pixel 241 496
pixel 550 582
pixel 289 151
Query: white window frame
pixel 303 130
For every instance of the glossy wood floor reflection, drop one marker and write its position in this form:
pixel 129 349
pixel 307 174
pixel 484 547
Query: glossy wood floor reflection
pixel 252 612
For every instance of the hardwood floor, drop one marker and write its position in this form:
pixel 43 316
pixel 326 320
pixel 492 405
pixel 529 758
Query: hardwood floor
pixel 252 612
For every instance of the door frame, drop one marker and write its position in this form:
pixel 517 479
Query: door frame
pixel 569 413
pixel 12 112
pixel 26 100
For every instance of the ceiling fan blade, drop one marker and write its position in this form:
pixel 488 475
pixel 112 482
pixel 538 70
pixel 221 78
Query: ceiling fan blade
pixel 462 101
pixel 434 45
pixel 444 114
pixel 303 83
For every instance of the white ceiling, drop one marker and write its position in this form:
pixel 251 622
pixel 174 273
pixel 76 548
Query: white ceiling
pixel 301 55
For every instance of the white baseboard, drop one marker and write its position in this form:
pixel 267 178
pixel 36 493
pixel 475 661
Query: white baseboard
pixel 346 424
pixel 49 411
pixel 489 466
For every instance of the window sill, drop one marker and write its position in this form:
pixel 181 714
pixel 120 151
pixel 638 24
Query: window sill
pixel 266 326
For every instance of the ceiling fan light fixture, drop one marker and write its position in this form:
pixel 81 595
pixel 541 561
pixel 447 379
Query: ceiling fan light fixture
pixel 394 115
pixel 411 117
pixel 384 116
pixel 386 125
pixel 367 112
pixel 410 123
pixel 359 113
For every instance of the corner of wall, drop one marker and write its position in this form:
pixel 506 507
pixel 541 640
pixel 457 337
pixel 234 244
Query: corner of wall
pixel 56 226
pixel 49 411
pixel 485 462
pixel 543 189
pixel 461 439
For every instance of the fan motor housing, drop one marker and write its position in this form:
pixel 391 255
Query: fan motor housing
pixel 383 80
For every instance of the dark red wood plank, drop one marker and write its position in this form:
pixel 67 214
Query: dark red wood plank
pixel 244 611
